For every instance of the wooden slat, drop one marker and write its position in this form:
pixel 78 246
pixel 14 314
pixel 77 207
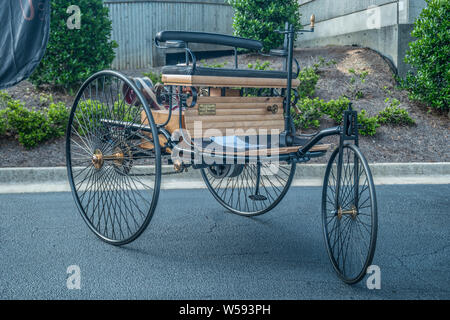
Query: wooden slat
pixel 193 116
pixel 243 106
pixel 267 128
pixel 204 99
pixel 190 126
pixel 229 109
pixel 217 92
pixel 248 114
pixel 211 81
pixel 160 117
pixel 223 112
pixel 242 112
pixel 239 124
pixel 226 131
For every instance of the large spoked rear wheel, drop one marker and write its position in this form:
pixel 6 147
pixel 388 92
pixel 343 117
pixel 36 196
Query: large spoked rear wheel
pixel 349 213
pixel 249 189
pixel 108 142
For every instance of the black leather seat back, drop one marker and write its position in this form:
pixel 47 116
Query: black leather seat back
pixel 222 72
pixel 211 38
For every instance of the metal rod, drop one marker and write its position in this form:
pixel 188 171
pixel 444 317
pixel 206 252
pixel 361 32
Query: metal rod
pixel 170 110
pixel 337 204
pixel 285 45
pixel 287 106
pixel 258 177
pixel 128 125
pixel 319 136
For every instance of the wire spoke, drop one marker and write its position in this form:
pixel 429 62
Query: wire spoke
pixel 116 203
pixel 349 226
pixel 251 188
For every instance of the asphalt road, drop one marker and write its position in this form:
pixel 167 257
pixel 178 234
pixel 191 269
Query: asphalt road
pixel 193 249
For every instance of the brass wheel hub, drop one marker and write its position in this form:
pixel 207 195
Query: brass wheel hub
pixel 117 157
pixel 98 159
pixel 352 212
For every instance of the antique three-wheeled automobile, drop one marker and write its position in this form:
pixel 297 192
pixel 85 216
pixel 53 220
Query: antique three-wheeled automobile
pixel 234 125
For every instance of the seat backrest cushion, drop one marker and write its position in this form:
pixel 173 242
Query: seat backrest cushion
pixel 211 38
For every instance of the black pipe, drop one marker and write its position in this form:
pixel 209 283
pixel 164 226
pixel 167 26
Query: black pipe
pixel 319 136
pixel 287 106
pixel 170 110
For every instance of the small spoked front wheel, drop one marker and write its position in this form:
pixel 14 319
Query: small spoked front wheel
pixel 113 163
pixel 349 213
pixel 249 189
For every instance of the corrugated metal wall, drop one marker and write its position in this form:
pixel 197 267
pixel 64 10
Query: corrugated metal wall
pixel 135 24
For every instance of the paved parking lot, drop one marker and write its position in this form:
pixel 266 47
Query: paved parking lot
pixel 193 249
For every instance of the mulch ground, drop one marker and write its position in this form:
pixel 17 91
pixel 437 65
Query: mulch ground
pixel 427 141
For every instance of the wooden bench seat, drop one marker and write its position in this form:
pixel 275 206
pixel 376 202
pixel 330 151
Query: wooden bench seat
pixel 213 81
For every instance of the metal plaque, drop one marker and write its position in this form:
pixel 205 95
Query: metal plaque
pixel 206 109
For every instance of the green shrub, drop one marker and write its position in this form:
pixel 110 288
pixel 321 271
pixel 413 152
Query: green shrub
pixel 73 55
pixel 58 117
pixel 45 99
pixel 34 126
pixel 31 127
pixel 308 79
pixel 321 62
pixel 214 65
pixel 258 19
pixel 2 122
pixel 394 115
pixel 259 66
pixel 429 55
pixel 255 92
pixel 362 75
pixel 356 81
pixel 90 112
pixel 4 99
pixel 308 113
pixel 368 124
pixel 335 108
pixel 155 77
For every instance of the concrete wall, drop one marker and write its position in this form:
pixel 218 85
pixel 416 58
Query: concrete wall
pixel 382 25
pixel 136 22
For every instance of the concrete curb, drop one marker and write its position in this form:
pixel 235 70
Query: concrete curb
pixel 22 180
